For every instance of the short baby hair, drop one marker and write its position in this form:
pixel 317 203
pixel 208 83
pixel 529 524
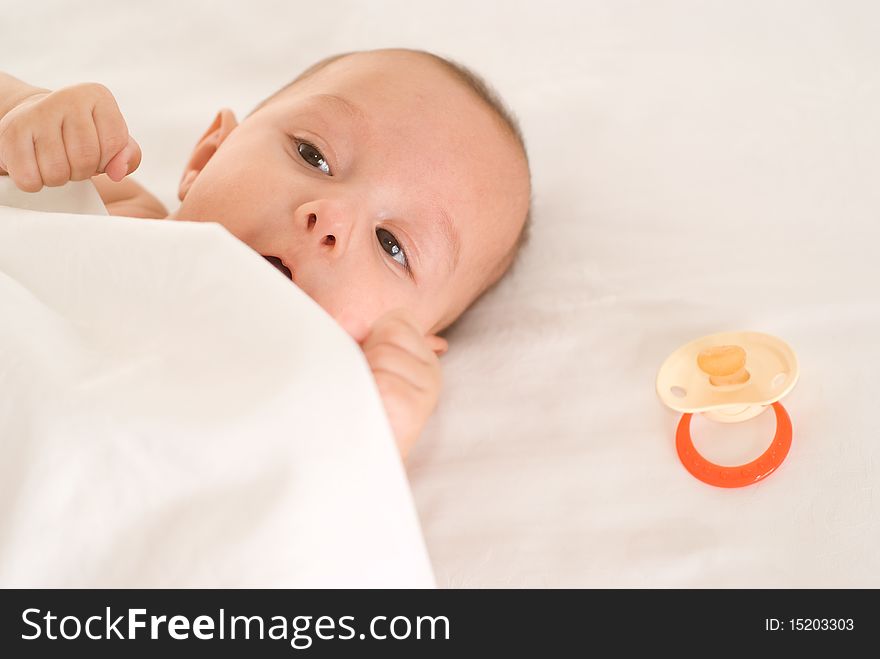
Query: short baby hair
pixel 491 98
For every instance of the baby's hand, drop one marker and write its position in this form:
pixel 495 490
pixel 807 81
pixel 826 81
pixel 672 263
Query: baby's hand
pixel 406 367
pixel 71 134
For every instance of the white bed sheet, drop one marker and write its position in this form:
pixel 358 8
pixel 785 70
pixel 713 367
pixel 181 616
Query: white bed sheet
pixel 698 167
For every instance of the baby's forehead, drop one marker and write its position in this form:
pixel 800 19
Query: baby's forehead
pixel 386 63
pixel 409 107
pixel 396 79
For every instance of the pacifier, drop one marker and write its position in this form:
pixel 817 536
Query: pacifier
pixel 729 377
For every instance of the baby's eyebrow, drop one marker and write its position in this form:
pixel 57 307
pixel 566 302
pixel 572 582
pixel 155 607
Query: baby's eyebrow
pixel 450 236
pixel 342 103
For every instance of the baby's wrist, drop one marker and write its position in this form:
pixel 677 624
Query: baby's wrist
pixel 14 92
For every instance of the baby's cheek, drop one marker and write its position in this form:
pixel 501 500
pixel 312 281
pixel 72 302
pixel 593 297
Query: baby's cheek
pixel 356 328
pixel 352 317
pixel 356 305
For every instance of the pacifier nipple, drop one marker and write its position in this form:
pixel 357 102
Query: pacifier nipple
pixel 724 365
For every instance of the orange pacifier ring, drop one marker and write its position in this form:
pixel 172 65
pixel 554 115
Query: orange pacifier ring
pixel 742 475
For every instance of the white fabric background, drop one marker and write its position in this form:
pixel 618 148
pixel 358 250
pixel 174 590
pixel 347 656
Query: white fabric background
pixel 698 167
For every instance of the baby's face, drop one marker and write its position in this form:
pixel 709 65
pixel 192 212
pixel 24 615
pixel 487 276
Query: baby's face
pixel 380 182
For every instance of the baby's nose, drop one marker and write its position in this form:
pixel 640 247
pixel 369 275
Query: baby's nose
pixel 327 238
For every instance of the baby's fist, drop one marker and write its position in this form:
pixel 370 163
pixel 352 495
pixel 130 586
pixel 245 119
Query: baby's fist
pixel 71 134
pixel 406 368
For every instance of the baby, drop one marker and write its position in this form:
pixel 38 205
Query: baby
pixel 390 185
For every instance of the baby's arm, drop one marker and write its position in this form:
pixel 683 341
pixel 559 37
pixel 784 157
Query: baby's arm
pixel 13 91
pixel 126 197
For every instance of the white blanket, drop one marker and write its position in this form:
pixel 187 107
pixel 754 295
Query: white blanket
pixel 173 412
pixel 697 167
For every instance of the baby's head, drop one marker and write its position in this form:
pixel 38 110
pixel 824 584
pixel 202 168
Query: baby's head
pixel 380 179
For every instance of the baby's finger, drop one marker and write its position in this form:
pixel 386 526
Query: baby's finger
pixel 399 314
pixel 20 161
pixel 112 130
pixel 52 158
pixel 404 402
pixel 82 146
pixel 134 158
pixel 398 327
pixel 404 338
pixel 124 162
pixel 438 344
pixel 394 359
pixel 406 383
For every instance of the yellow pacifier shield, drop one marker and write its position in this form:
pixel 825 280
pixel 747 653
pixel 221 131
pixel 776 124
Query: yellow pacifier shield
pixel 729 377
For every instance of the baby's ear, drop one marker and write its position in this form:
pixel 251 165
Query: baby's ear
pixel 224 123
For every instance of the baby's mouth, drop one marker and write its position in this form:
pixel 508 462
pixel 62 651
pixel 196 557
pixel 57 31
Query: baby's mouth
pixel 274 260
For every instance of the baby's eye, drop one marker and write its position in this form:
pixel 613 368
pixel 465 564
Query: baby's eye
pixel 389 244
pixel 313 157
